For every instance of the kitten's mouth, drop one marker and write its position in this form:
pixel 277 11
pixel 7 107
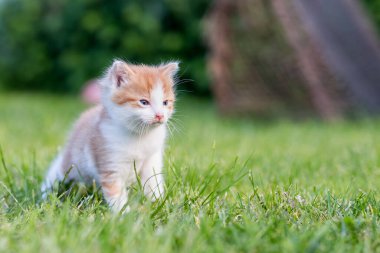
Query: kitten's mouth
pixel 157 123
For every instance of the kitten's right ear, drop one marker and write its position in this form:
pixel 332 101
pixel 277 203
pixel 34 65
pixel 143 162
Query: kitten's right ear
pixel 120 73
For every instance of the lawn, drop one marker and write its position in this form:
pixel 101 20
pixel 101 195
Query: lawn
pixel 233 185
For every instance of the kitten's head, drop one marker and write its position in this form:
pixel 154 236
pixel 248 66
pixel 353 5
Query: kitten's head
pixel 139 96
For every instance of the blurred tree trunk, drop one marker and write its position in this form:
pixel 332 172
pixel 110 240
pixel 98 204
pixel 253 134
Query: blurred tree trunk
pixel 274 56
pixel 350 45
pixel 309 61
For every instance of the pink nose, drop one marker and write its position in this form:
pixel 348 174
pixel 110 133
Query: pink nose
pixel 159 117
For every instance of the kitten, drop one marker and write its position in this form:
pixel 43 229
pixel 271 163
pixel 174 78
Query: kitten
pixel 125 133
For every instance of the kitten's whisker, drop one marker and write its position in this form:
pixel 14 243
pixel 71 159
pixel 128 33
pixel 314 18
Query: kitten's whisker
pixel 170 131
pixel 172 127
pixel 136 124
pixel 141 130
pixel 177 122
pixel 177 115
pixel 184 81
pixel 144 129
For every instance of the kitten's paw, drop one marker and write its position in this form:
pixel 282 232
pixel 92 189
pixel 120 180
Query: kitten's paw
pixel 46 189
pixel 119 206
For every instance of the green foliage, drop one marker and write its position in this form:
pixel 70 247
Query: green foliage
pixel 232 186
pixel 57 45
pixel 373 7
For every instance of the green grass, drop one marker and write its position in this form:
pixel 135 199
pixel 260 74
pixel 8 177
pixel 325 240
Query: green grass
pixel 234 185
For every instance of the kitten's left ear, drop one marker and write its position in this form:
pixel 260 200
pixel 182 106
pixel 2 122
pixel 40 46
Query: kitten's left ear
pixel 170 69
pixel 120 73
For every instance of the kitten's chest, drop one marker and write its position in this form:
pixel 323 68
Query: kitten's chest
pixel 136 148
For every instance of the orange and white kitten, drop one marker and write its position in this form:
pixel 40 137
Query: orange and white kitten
pixel 125 133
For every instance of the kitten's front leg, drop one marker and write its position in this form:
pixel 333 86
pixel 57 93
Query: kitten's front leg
pixel 114 192
pixel 152 178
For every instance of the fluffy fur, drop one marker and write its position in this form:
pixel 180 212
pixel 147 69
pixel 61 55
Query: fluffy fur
pixel 125 133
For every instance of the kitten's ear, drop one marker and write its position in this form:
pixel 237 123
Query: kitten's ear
pixel 170 68
pixel 120 73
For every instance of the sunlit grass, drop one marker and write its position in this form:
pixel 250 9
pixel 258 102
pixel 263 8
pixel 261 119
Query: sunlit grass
pixel 233 185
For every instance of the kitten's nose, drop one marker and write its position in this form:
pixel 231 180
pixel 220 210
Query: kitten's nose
pixel 159 117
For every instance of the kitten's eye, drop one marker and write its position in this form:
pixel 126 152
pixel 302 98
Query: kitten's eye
pixel 144 102
pixel 165 103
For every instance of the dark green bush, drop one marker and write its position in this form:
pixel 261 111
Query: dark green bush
pixel 57 45
pixel 373 7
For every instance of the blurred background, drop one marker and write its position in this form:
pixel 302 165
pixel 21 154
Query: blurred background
pixel 310 58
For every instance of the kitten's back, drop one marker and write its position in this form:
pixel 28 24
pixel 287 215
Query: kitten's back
pixel 78 150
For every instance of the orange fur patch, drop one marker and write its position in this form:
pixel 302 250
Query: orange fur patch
pixel 109 185
pixel 140 85
pixel 111 189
